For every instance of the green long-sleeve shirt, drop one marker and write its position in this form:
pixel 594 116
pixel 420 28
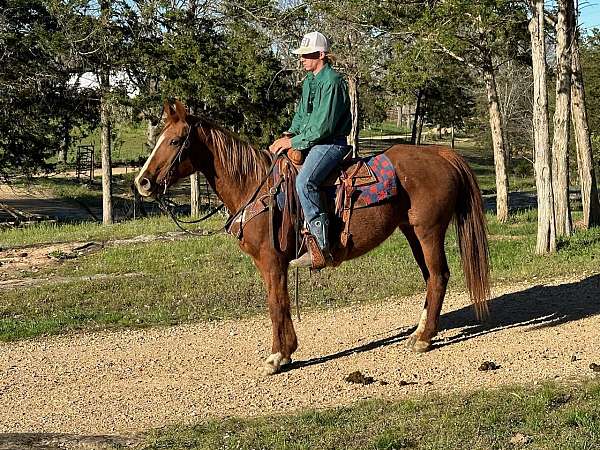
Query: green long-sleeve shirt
pixel 324 110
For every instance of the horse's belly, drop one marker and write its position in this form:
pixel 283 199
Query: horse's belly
pixel 370 226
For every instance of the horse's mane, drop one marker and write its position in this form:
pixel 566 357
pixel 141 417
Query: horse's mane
pixel 239 159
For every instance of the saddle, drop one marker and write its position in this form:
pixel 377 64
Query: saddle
pixel 343 181
pixel 356 183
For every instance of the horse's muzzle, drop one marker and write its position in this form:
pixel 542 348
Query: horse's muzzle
pixel 144 186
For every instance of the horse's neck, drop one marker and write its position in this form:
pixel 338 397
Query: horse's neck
pixel 233 193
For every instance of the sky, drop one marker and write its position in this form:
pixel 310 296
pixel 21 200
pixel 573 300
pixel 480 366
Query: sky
pixel 590 13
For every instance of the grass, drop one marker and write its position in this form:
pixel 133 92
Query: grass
pixel 48 233
pixel 481 160
pixel 384 129
pixel 128 144
pixel 162 283
pixel 551 416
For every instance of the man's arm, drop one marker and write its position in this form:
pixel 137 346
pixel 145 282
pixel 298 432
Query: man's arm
pixel 300 114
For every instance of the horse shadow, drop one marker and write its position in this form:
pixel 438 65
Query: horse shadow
pixel 535 307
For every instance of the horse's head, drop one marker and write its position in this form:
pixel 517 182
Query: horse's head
pixel 170 160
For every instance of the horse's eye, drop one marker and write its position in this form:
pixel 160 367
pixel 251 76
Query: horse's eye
pixel 175 141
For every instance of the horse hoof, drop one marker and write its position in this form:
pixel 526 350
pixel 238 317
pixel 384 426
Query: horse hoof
pixel 421 347
pixel 268 370
pixel 274 363
pixel 410 342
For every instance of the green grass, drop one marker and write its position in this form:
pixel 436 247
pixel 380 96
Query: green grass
pixel 551 417
pixel 383 129
pixel 128 144
pixel 481 160
pixel 191 280
pixel 46 233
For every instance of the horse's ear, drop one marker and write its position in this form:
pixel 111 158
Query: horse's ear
pixel 169 113
pixel 181 110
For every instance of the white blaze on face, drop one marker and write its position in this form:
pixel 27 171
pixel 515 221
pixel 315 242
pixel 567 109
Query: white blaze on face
pixel 143 169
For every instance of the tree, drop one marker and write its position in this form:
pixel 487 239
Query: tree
pixel 39 105
pixel 480 35
pixel 546 231
pixel 587 175
pixel 97 42
pixel 560 149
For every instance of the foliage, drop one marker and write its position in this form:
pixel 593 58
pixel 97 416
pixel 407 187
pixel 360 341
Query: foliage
pixel 220 66
pixel 39 104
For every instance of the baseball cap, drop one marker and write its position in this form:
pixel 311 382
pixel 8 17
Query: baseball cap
pixel 311 43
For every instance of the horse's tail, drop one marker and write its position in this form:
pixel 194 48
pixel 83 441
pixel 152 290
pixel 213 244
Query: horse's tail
pixel 472 234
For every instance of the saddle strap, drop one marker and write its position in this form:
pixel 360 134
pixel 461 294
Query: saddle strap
pixel 291 211
pixel 272 206
pixel 344 200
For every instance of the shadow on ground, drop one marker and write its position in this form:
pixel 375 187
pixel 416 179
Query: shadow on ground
pixel 51 441
pixel 536 307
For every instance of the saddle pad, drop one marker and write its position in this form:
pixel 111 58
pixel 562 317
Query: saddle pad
pixel 386 185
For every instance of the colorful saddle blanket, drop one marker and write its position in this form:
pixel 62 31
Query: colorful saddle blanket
pixel 385 186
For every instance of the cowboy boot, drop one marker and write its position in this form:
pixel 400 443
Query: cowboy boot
pixel 317 243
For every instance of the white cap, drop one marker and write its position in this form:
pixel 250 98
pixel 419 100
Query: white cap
pixel 311 43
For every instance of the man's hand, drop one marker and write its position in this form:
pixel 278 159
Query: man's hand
pixel 281 144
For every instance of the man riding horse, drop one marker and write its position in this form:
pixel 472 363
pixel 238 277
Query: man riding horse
pixel 319 129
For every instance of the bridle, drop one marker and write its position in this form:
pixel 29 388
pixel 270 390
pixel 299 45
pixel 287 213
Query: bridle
pixel 177 160
pixel 167 205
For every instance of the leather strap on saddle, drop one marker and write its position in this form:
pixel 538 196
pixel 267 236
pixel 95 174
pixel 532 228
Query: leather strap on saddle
pixel 292 212
pixel 344 198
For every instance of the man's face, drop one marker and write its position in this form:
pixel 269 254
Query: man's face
pixel 311 61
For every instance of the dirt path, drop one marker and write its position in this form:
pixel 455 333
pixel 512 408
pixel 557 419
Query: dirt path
pixel 118 383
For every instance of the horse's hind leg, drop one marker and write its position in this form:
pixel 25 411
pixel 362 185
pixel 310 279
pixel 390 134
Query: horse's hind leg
pixel 428 249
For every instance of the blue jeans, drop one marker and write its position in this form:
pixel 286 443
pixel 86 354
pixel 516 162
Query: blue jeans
pixel 319 163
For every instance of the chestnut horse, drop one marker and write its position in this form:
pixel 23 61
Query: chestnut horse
pixel 435 186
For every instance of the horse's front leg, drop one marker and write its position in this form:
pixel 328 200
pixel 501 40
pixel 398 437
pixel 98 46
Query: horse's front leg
pixel 274 271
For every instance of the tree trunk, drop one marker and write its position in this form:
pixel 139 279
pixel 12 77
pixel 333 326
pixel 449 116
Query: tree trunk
pixel 399 116
pixel 560 148
pixel 452 134
pixel 353 82
pixel 65 142
pixel 152 132
pixel 195 205
pixel 415 124
pixel 546 233
pixel 105 124
pixel 420 120
pixel 498 143
pixel 587 176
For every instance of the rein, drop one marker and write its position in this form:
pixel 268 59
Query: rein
pixel 167 205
